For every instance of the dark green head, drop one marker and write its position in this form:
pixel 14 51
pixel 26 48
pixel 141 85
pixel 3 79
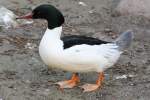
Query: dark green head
pixel 47 12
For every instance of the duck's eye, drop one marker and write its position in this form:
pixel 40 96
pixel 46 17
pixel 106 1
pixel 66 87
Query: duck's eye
pixel 38 13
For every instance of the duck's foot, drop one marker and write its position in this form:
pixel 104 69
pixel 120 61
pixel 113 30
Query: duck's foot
pixel 89 87
pixel 69 83
pixel 93 87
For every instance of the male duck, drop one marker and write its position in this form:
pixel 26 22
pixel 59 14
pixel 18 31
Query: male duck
pixel 76 53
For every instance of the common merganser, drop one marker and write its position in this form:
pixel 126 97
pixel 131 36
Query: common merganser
pixel 76 53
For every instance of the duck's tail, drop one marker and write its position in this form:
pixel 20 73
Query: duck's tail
pixel 124 40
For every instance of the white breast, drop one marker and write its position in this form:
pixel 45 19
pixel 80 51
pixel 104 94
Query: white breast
pixel 51 48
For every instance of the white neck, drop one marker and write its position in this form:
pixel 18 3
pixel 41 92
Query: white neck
pixel 51 46
pixel 51 39
pixel 51 36
pixel 53 33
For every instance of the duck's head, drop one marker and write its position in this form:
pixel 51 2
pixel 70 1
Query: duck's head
pixel 47 12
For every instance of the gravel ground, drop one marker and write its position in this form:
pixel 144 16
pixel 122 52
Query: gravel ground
pixel 23 76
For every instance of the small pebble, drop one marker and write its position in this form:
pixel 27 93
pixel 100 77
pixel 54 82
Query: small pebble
pixel 82 3
pixel 91 11
pixel 121 77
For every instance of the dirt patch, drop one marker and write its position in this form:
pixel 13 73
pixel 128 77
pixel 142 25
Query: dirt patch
pixel 23 76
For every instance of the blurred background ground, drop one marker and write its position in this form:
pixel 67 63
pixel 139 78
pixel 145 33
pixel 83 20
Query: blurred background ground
pixel 23 76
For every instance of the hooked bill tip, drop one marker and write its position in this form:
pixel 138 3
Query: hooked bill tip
pixel 27 16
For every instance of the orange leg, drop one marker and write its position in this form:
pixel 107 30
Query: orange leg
pixel 69 83
pixel 93 87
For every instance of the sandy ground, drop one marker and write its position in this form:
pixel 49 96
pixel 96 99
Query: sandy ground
pixel 23 76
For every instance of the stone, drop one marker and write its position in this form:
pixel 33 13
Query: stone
pixel 134 7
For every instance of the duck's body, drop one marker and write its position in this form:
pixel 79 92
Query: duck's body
pixel 78 58
pixel 75 53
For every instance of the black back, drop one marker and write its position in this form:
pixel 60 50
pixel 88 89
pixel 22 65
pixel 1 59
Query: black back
pixel 73 40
